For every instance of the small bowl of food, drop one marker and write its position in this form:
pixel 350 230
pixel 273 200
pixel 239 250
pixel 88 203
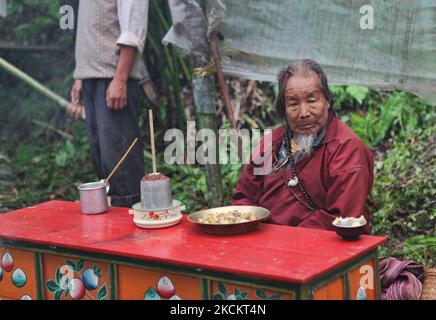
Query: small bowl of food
pixel 350 228
pixel 229 220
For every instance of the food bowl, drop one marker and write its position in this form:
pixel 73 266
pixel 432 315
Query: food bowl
pixel 350 233
pixel 258 214
pixel 350 228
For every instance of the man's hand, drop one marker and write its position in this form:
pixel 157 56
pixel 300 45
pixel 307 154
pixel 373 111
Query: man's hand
pixel 116 94
pixel 76 111
pixel 76 92
pixel 76 108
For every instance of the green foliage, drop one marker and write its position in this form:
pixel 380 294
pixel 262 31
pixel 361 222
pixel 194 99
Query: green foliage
pixel 34 22
pixel 404 190
pixel 169 69
pixel 358 92
pixel 400 130
pixel 349 96
pixel 45 171
pixel 422 249
pixel 400 116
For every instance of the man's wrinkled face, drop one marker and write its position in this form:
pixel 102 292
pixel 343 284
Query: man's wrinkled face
pixel 305 105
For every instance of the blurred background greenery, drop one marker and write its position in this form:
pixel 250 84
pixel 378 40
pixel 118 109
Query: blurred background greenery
pixel 44 154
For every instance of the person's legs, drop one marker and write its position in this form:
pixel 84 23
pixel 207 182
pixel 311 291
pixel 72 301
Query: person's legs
pixel 89 94
pixel 116 131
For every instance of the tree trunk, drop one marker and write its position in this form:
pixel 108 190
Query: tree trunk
pixel 204 100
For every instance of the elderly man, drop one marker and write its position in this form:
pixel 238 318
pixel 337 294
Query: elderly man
pixel 321 169
pixel 109 43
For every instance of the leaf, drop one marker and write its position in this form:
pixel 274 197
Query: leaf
pixel 24 153
pixel 218 296
pixel 58 275
pixel 274 297
pixel 58 294
pixel 70 149
pixel 101 295
pixel 222 289
pixel 261 294
pixel 52 286
pixel 80 265
pixel 61 158
pixel 358 92
pixel 67 291
pixel 71 264
pixel 244 295
pixel 237 292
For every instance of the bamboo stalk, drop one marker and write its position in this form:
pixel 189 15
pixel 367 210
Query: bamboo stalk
pixel 178 93
pixel 33 83
pixel 161 16
pixel 162 69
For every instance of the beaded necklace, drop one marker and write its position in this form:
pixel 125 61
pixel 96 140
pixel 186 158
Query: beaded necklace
pixel 295 181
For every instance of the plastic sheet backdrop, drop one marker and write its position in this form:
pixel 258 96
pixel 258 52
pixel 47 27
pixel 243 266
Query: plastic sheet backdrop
pixel 398 53
pixel 3 8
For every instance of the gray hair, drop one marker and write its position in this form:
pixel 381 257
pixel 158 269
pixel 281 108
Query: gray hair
pixel 300 66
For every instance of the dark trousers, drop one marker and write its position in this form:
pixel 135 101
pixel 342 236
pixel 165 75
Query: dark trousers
pixel 110 133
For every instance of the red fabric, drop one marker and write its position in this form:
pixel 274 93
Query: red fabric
pixel 338 176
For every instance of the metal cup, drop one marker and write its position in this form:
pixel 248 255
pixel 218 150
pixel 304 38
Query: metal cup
pixel 93 197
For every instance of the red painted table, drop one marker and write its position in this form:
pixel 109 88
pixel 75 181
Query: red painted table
pixel 52 251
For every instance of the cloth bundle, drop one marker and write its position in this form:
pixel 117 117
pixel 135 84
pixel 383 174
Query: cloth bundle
pixel 401 280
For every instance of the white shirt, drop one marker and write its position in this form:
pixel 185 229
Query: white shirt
pixel 102 26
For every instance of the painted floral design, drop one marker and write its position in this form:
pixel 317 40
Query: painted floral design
pixel 19 278
pixel 7 262
pixel 78 285
pixel 237 294
pixel 261 295
pixel 153 216
pixel 164 290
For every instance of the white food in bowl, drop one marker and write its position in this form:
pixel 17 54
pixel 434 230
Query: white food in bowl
pixel 350 221
pixel 229 217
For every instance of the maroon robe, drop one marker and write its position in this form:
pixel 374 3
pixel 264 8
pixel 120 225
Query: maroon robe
pixel 338 177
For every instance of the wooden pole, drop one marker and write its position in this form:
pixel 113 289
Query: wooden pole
pixel 33 83
pixel 224 90
pixel 221 80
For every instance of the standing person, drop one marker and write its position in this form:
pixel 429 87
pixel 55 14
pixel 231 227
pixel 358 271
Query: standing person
pixel 109 44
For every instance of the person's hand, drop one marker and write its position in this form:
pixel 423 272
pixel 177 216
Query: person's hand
pixel 116 94
pixel 76 111
pixel 76 92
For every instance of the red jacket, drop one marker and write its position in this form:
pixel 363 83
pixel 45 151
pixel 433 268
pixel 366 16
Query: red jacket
pixel 338 177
